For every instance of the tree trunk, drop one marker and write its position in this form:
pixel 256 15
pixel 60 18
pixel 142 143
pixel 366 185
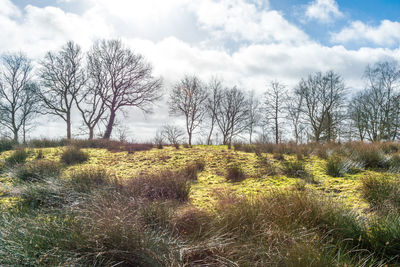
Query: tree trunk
pixel 276 131
pixel 68 125
pixel 225 139
pixel 24 132
pixel 209 135
pixel 190 139
pixel 15 130
pixel 110 126
pixel 16 136
pixel 317 138
pixel 91 133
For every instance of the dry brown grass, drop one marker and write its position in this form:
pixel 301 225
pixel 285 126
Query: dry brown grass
pixel 38 170
pixel 73 155
pixel 235 172
pixel 161 185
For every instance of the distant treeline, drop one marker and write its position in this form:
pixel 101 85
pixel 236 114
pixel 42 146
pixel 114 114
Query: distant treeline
pixel 110 78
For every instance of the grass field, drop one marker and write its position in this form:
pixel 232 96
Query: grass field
pixel 200 206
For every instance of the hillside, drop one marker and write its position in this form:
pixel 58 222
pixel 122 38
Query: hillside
pixel 126 166
pixel 206 205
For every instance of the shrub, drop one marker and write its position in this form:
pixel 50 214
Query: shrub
pixel 6 144
pixel 249 148
pixel 90 177
pixel 371 157
pixel 111 145
pixel 389 147
pixel 270 225
pixel 385 236
pixel 42 143
pixel 394 163
pixel 297 169
pixel 300 185
pixel 192 168
pixel 114 233
pixel 299 155
pixel 162 185
pixel 18 156
pixel 279 156
pixel 2 166
pixel 335 166
pixel 31 239
pixel 48 193
pixel 73 155
pixel 303 151
pixel 191 220
pixel 158 214
pixel 235 172
pixel 381 192
pixel 38 170
pixel 322 152
pixel 266 166
pixel 39 154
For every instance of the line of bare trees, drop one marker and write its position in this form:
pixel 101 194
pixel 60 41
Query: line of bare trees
pixel 319 109
pixel 110 78
pixel 100 84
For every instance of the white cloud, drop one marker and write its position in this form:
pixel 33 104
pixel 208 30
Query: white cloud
pixel 242 20
pixel 38 30
pixel 7 8
pixel 385 34
pixel 172 37
pixel 323 10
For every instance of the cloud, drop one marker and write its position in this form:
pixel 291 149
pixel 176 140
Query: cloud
pixel 385 34
pixel 38 30
pixel 323 11
pixel 245 21
pixel 175 36
pixel 7 8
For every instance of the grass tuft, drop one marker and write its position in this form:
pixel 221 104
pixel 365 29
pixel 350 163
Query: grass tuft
pixel 382 192
pixel 235 172
pixel 17 157
pixel 88 178
pixel 73 155
pixel 38 170
pixel 162 185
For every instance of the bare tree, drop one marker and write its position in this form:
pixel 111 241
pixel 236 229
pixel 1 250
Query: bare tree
pixel 126 79
pixel 31 109
pixel 294 116
pixel 173 134
pixel 254 114
pixel 159 138
pixel 383 82
pixel 188 98
pixel 232 114
pixel 18 103
pixel 89 101
pixel 324 97
pixel 274 106
pixel 214 89
pixel 375 112
pixel 357 114
pixel 62 77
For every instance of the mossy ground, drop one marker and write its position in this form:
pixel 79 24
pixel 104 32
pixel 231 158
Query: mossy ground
pixel 212 180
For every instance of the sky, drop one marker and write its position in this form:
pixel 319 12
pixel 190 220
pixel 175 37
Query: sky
pixel 246 43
